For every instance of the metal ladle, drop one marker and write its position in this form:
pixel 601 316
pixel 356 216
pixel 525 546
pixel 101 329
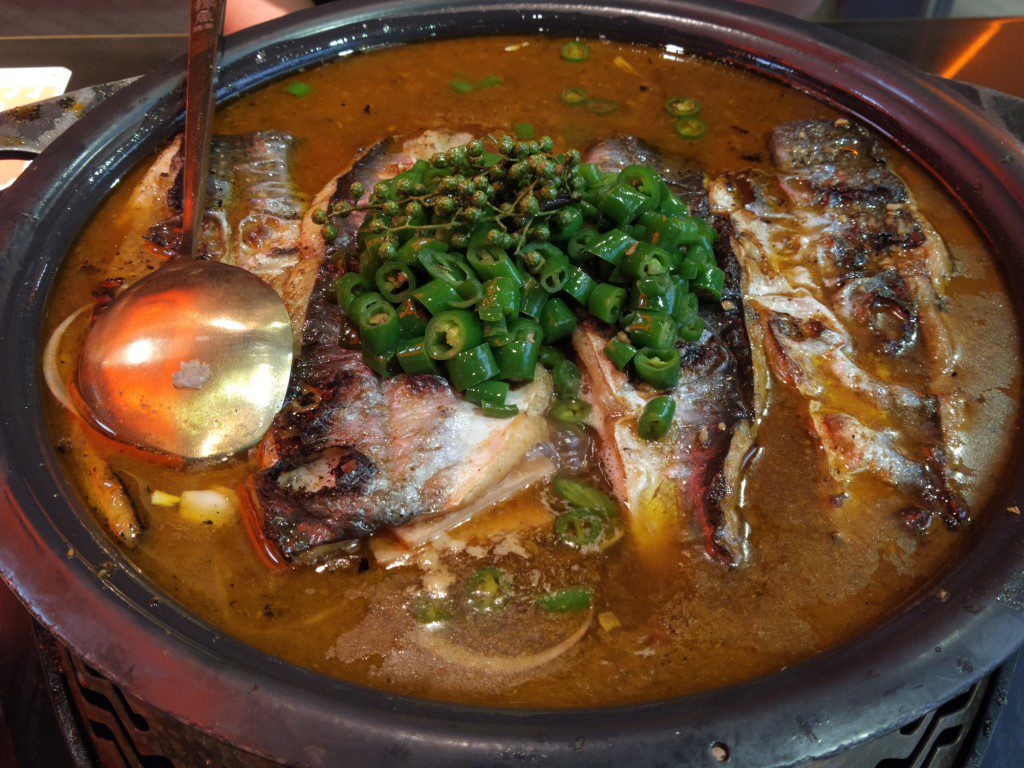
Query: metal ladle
pixel 194 358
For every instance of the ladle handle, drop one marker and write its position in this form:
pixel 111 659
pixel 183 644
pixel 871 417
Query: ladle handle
pixel 206 23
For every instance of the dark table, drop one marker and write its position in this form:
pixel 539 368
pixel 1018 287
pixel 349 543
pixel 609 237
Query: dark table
pixel 981 51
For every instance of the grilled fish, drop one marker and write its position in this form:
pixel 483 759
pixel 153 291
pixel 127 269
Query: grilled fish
pixel 252 217
pixel 843 279
pixel 689 477
pixel 354 453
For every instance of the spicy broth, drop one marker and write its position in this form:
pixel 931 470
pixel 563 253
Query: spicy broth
pixel 817 574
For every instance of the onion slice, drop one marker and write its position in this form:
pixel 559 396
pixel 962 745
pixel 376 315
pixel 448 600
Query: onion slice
pixel 50 374
pixel 502 665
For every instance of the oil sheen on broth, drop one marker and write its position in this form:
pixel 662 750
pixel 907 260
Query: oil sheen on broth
pixel 817 573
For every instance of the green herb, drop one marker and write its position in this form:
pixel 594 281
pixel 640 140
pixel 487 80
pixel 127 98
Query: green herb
pixel 298 89
pixel 461 86
pixel 568 599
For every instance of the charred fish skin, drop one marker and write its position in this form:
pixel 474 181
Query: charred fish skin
pixel 839 267
pixel 352 453
pixel 696 467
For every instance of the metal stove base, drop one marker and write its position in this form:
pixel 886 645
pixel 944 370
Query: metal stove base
pixel 106 727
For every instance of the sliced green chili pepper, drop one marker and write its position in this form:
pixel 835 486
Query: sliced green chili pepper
pixel 412 356
pixel 489 589
pixel 658 293
pixel 554 273
pixel 377 322
pixel 591 174
pixel 445 266
pixel 658 367
pixel 575 51
pixel 579 284
pixel 383 365
pixel 622 204
pixel 619 352
pixel 395 281
pixel 489 262
pixel 472 367
pixel 577 243
pixel 412 320
pixel 691 127
pixel 645 181
pixel 682 106
pixel 347 287
pixel 585 496
pixel 611 246
pixel 436 296
pixel 570 411
pixel 557 321
pixel 685 309
pixel 567 379
pixel 651 329
pixel 549 356
pixel 692 330
pixel 606 302
pixel 470 292
pixel 500 300
pixel 602 106
pixel 499 410
pixel 496 332
pixel 710 283
pixel 488 391
pixel 670 204
pixel 573 96
pixel 565 600
pixel 656 418
pixel 427 609
pixel 534 299
pixel 579 527
pixel 451 332
pixel 517 360
pixel 642 262
pixel 461 86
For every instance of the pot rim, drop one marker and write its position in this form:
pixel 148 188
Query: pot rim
pixel 66 570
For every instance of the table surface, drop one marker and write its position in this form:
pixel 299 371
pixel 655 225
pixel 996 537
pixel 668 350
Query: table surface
pixel 980 51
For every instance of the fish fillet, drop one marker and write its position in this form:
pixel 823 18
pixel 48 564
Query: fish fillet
pixel 688 480
pixel 354 453
pixel 843 279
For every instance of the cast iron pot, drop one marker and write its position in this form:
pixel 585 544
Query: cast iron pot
pixel 79 585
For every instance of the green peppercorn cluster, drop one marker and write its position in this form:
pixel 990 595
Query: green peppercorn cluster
pixel 476 264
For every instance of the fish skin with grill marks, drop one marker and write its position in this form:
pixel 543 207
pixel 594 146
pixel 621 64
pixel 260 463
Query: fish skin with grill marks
pixel 353 453
pixel 688 480
pixel 844 283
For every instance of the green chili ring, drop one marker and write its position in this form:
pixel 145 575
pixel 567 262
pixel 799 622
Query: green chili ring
pixel 682 106
pixel 573 96
pixel 451 332
pixel 579 527
pixel 691 127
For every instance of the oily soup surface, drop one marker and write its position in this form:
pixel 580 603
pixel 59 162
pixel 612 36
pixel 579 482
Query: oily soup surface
pixel 817 574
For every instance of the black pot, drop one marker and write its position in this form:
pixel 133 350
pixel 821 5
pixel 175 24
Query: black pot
pixel 78 584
